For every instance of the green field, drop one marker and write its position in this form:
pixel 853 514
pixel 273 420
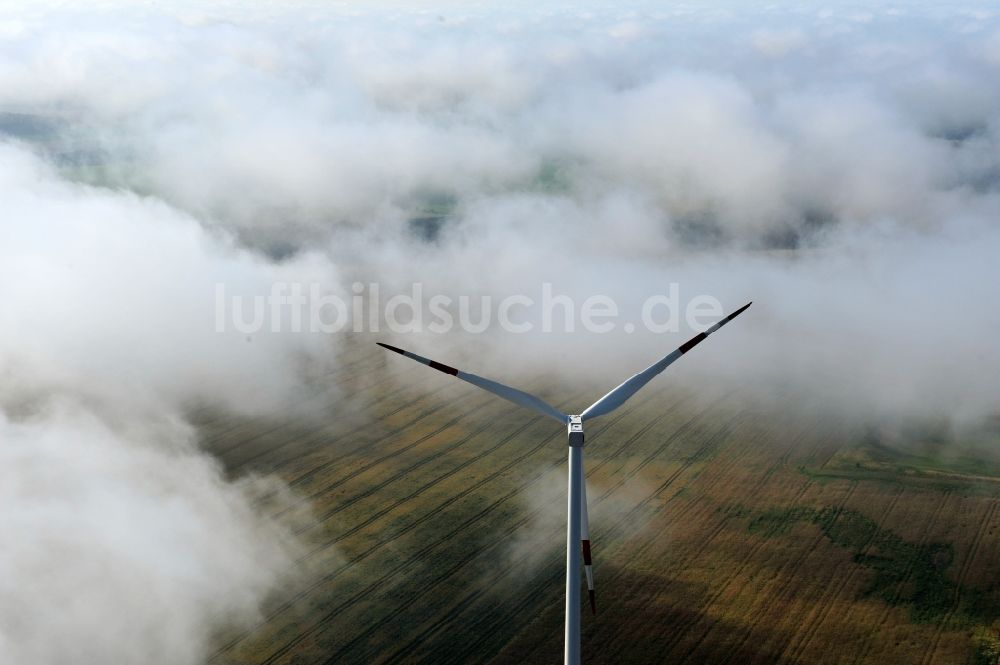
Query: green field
pixel 724 530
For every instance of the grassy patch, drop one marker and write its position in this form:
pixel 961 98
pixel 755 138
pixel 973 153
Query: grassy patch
pixel 904 573
pixel 777 522
pixel 735 510
pixel 928 456
pixel 987 647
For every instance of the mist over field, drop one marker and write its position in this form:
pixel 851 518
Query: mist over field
pixel 836 163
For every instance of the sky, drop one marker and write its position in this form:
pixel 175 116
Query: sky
pixel 836 163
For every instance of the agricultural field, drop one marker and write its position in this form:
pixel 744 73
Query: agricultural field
pixel 724 530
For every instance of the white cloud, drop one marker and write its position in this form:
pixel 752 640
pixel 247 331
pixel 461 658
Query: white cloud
pixel 126 543
pixel 778 43
pixel 121 549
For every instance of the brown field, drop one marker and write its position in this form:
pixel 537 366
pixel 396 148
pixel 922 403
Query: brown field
pixel 723 531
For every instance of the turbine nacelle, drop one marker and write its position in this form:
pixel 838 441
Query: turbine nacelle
pixel 574 430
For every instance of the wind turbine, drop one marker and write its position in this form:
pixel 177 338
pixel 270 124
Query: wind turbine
pixel 577 522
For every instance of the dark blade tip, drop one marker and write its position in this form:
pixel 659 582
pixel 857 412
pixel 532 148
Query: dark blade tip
pixel 392 348
pixel 738 312
pixel 593 601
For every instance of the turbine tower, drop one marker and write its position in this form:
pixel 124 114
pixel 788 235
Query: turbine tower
pixel 577 522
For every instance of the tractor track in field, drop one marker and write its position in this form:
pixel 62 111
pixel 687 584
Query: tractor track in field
pixel 710 537
pixel 345 372
pixel 299 500
pixel 214 442
pixel 542 589
pixel 425 590
pixel 371 550
pixel 963 573
pixel 609 536
pixel 779 464
pixel 679 432
pixel 426 459
pixel 713 598
pixel 473 597
pixel 324 392
pixel 867 645
pixel 420 490
pixel 602 461
pixel 486 403
pixel 292 442
pixel 786 571
pixel 714 622
pixel 321 434
pixel 527 517
pixel 825 604
pixel 706 541
pixel 397 431
pixel 437 479
pixel 382 438
pixel 424 550
pixel 358 558
pixel 297 439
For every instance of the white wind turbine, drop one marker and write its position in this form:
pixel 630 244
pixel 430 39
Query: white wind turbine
pixel 577 522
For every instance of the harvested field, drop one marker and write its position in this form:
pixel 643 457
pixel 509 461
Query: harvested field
pixel 723 532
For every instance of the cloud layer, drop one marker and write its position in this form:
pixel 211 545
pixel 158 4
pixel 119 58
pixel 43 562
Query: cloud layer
pixel 837 164
pixel 127 543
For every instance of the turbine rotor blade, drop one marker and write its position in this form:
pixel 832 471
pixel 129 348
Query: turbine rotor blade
pixel 631 386
pixel 514 395
pixel 585 538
